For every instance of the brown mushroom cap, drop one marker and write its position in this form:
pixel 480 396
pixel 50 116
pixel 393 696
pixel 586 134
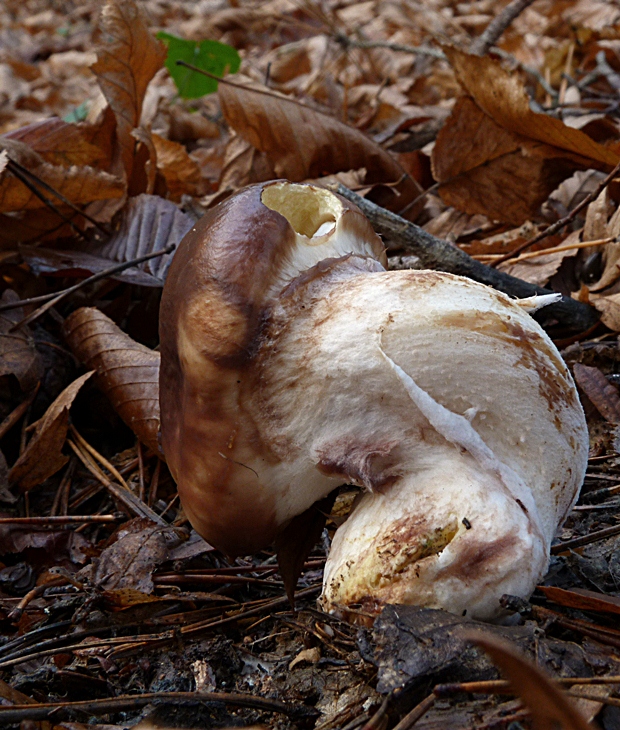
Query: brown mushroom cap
pixel 224 279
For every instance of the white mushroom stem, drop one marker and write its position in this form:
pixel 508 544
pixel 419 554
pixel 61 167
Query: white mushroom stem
pixel 453 409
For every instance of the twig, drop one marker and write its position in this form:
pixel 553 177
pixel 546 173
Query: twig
pixel 37 180
pixel 416 50
pixel 502 686
pixel 594 698
pixel 98 457
pixel 497 26
pixel 545 251
pixel 124 496
pixel 585 540
pixel 55 297
pixel 436 53
pixel 60 519
pixel 558 225
pixel 17 413
pixel 435 253
pixel 59 710
pixel 200 628
pixel 410 719
pixel 17 172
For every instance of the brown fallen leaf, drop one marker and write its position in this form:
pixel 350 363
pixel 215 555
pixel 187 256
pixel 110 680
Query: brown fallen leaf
pixel 128 373
pixel 181 173
pixel 79 184
pixel 61 143
pixel 303 143
pixel 549 706
pixel 539 269
pixel 599 390
pixel 128 563
pixel 128 56
pixel 243 165
pixel 502 96
pixel 18 354
pixel 146 224
pixel 485 168
pixel 42 546
pixel 43 456
pixel 496 156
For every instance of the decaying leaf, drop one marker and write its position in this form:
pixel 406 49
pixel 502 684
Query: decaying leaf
pixel 495 155
pixel 485 168
pixel 18 355
pixel 140 546
pixel 128 56
pixel 303 143
pixel 42 546
pixel 128 373
pixel 146 224
pixel 549 706
pixel 80 184
pixel 181 173
pixel 61 143
pixel 43 456
pixel 599 390
pixel 502 96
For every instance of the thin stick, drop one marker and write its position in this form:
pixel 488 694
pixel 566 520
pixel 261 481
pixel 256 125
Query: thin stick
pixel 37 180
pixel 141 492
pixel 415 50
pixel 60 519
pixel 593 698
pixel 436 253
pixel 558 225
pixel 502 686
pixel 59 710
pixel 101 459
pixel 17 413
pixel 497 26
pixel 55 297
pixel 154 484
pixel 124 496
pixel 14 170
pixel 585 540
pixel 544 251
pixel 410 719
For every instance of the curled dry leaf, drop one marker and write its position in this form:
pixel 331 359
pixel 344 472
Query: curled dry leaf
pixel 146 224
pixel 549 706
pixel 303 143
pixel 495 155
pixel 128 56
pixel 128 373
pixel 485 168
pixel 181 173
pixel 43 456
pixel 18 355
pixel 502 96
pixel 599 390
pixel 61 143
pixel 80 184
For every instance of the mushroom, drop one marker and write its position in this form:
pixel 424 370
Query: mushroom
pixel 292 362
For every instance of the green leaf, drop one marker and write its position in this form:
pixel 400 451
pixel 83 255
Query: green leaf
pixel 216 58
pixel 78 114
